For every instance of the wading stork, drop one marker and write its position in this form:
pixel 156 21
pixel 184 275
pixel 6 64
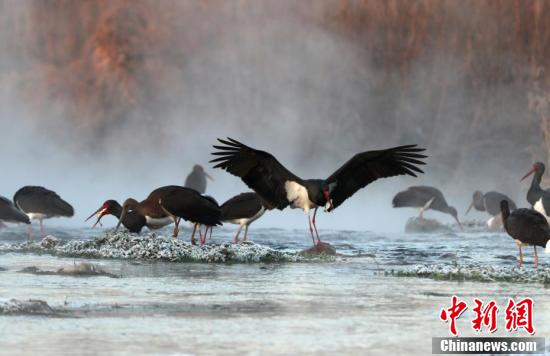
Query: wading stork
pixel 279 187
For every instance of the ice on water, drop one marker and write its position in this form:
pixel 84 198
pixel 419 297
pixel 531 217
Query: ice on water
pixel 257 295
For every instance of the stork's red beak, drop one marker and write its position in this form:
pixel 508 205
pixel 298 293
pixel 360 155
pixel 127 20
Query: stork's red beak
pixel 101 212
pixel 459 224
pixel 328 205
pixel 469 208
pixel 533 170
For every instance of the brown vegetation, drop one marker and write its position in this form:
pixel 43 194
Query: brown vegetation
pixel 469 64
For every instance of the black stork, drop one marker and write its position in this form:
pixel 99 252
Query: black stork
pixel 40 203
pixel 203 238
pixel 155 216
pixel 132 220
pixel 243 209
pixel 526 227
pixel 279 188
pixel 490 202
pixel 536 196
pixel 188 204
pixel 424 197
pixel 197 179
pixel 10 213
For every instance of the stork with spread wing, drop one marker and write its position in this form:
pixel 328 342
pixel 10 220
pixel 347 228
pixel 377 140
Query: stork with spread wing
pixel 279 187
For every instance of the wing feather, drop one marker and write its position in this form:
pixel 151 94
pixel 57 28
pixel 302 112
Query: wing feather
pixel 366 167
pixel 259 170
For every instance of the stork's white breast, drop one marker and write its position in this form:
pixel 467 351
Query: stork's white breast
pixel 247 221
pixel 156 223
pixel 297 196
pixel 37 216
pixel 540 208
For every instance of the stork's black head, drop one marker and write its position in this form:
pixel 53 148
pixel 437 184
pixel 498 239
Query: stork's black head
pixel 537 168
pixel 477 201
pixel 105 209
pixel 199 169
pixel 452 211
pixel 478 196
pixel 327 189
pixel 130 204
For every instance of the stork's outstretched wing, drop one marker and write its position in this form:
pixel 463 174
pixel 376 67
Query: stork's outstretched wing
pixel 258 169
pixel 366 167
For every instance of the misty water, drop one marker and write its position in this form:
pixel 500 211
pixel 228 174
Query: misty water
pixel 351 303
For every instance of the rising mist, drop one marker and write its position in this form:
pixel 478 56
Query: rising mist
pixel 110 99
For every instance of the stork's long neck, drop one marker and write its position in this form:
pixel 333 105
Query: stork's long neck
pixel 479 204
pixel 116 210
pixel 535 191
pixel 505 212
pixel 315 191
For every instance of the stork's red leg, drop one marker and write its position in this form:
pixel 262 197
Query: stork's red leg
pixel 41 228
pixel 210 237
pixel 206 233
pixel 203 237
pixel 236 238
pixel 29 231
pixel 245 232
pixel 315 225
pixel 176 228
pixel 536 258
pixel 520 257
pixel 310 229
pixel 193 242
pixel 200 235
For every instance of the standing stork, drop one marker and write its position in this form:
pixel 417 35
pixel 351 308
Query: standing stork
pixel 243 209
pixel 526 227
pixel 490 202
pixel 40 203
pixel 188 204
pixel 155 216
pixel 279 187
pixel 536 196
pixel 132 220
pixel 197 179
pixel 424 197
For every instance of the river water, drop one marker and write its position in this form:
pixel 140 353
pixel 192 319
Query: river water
pixel 370 298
